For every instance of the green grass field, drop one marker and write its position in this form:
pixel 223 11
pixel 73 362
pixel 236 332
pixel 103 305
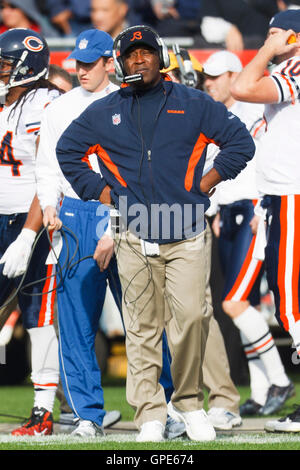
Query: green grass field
pixel 17 402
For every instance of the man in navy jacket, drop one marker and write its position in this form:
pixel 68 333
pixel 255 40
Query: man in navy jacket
pixel 150 139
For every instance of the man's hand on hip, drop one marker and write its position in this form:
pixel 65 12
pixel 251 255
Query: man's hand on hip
pixel 105 196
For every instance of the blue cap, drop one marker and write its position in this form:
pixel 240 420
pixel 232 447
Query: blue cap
pixel 287 19
pixel 91 45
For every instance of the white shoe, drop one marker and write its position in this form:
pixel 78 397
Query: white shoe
pixel 270 425
pixel 110 418
pixel 197 425
pixel 151 431
pixel 88 429
pixel 223 419
pixel 68 420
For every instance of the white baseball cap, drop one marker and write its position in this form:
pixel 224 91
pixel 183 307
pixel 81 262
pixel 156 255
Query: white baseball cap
pixel 221 62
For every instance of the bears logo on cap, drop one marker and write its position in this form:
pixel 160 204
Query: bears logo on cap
pixel 137 35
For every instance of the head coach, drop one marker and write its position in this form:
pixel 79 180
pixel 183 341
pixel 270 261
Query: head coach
pixel 150 138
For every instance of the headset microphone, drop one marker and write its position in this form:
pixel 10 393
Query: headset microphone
pixel 137 77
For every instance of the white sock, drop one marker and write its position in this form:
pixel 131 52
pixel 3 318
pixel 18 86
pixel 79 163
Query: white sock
pixel 253 325
pixel 44 398
pixel 45 365
pixel 259 382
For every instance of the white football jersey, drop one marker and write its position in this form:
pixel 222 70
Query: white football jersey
pixel 244 185
pixel 277 159
pixel 19 128
pixel 51 183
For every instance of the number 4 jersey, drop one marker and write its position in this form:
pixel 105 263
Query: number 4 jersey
pixel 278 155
pixel 19 128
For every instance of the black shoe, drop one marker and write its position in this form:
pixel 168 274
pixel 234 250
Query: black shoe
pixel 290 423
pixel 276 397
pixel 250 408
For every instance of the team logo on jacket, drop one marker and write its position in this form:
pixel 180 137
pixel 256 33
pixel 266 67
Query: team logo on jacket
pixel 116 119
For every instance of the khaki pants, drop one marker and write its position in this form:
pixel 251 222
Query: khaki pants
pixel 178 275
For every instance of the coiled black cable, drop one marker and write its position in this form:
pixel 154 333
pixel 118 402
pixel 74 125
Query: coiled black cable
pixel 59 271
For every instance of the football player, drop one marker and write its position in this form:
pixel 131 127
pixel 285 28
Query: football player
pixel 24 93
pixel 270 386
pixel 279 171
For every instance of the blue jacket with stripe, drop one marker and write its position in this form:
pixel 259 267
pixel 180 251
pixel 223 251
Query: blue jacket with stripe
pixel 163 181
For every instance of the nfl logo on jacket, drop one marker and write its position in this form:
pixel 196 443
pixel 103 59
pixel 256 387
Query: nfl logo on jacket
pixel 116 119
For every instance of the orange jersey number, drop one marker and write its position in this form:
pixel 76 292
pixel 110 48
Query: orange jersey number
pixel 7 154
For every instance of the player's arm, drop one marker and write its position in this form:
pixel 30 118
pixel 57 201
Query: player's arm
pixel 48 174
pixel 251 84
pixel 34 220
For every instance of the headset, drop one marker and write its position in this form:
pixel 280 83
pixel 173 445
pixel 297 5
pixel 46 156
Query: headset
pixel 187 72
pixel 164 59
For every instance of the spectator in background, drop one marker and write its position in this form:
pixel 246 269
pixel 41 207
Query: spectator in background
pixel 288 4
pixel 23 14
pixel 110 15
pixel 144 12
pixel 173 17
pixel 236 25
pixel 69 17
pixel 187 9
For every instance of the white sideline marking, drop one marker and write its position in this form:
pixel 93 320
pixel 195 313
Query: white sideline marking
pixel 221 439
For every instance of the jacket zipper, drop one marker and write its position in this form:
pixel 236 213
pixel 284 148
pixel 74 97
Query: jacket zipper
pixel 149 151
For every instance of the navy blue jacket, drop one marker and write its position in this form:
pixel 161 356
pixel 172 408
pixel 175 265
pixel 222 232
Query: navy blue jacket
pixel 170 171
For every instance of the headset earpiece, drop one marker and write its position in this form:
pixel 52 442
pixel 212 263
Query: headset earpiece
pixel 164 54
